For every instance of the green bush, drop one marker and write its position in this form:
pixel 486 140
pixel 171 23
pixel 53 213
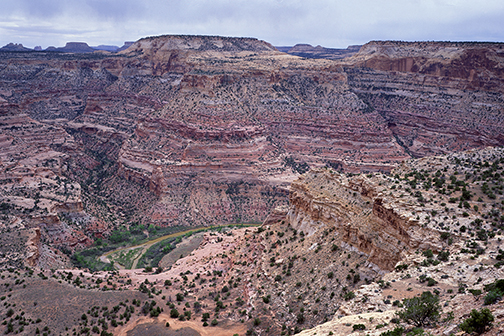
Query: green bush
pixel 498 285
pixel 431 282
pixel 478 322
pixel 359 327
pixel 428 253
pixel 349 296
pixel 401 267
pixel 421 311
pixel 398 331
pixel 443 255
pixel 118 236
pixel 492 297
pixel 475 292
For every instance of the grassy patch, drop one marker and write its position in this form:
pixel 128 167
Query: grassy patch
pixel 126 258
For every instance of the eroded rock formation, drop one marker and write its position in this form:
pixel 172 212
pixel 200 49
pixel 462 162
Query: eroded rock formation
pixel 358 214
pixel 200 130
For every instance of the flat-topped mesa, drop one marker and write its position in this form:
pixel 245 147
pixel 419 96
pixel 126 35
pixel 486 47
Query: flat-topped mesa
pixel 166 43
pixel 73 47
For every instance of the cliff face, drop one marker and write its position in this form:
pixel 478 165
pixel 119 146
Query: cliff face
pixel 359 215
pixel 35 196
pixel 203 130
pixel 435 96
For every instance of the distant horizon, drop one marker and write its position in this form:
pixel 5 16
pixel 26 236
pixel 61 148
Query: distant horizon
pixel 329 23
pixel 275 45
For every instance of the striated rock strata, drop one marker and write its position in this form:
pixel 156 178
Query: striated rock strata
pixel 201 130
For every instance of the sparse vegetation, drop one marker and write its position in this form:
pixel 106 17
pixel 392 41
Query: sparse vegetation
pixel 478 322
pixel 421 311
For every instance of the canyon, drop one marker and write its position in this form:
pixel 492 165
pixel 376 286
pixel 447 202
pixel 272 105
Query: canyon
pixel 205 130
pixel 200 130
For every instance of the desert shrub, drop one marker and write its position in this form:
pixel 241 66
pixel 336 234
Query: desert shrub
pixel 478 322
pixel 492 297
pixel 358 327
pixel 349 296
pixel 356 278
pixel 421 311
pixel 398 331
pixel 431 282
pixel 174 313
pixel 498 285
pixel 401 267
pixel 428 253
pixel 300 318
pixel 495 291
pixel 475 292
pixel 397 303
pixel 443 255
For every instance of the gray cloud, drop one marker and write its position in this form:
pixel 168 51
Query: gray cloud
pixel 332 23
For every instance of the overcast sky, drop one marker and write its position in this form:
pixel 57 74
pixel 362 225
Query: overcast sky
pixel 330 23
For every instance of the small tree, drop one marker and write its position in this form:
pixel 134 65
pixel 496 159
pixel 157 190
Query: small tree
pixel 421 311
pixel 174 313
pixel 478 322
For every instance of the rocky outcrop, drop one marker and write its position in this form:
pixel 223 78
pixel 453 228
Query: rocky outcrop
pixel 359 214
pixel 14 47
pixel 33 246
